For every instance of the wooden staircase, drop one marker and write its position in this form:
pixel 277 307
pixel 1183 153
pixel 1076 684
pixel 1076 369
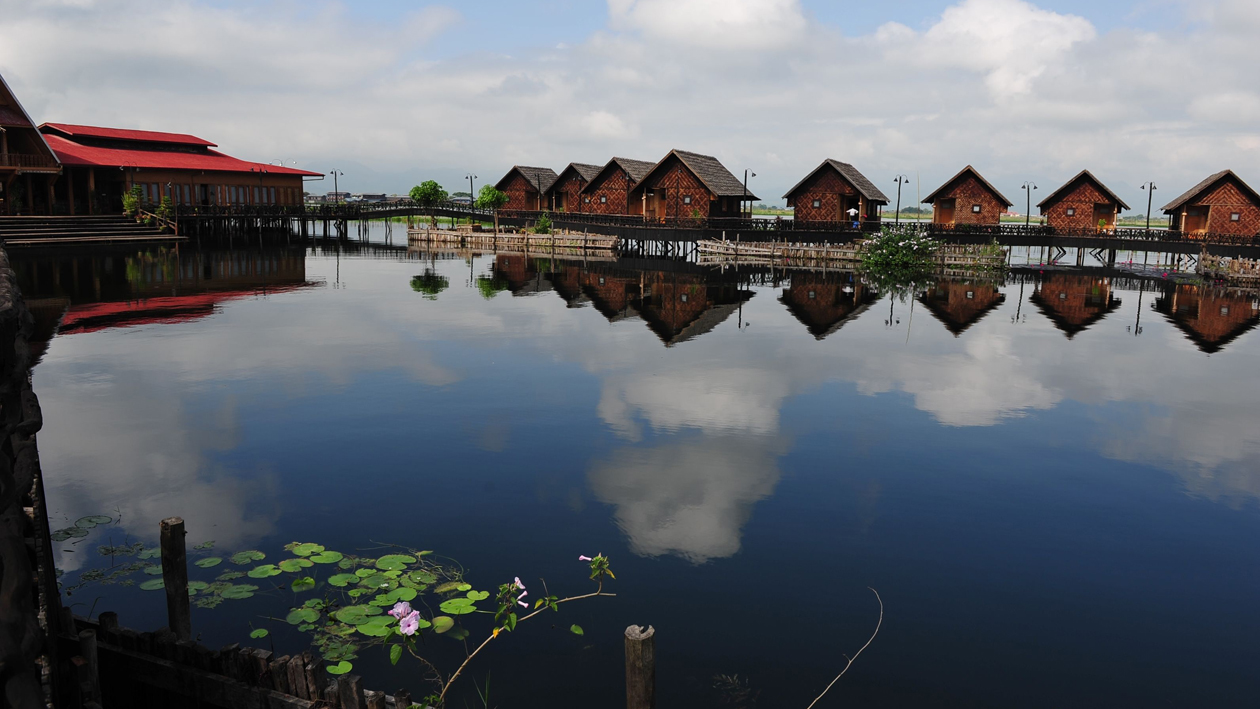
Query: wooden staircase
pixel 20 232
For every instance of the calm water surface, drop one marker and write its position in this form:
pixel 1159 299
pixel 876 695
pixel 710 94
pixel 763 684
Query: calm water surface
pixel 1052 484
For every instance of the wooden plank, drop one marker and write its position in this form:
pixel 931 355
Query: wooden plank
pixel 297 678
pixel 175 575
pixel 351 692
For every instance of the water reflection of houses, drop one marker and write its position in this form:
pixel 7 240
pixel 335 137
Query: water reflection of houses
pixel 1075 302
pixel 824 303
pixel 1211 318
pixel 961 304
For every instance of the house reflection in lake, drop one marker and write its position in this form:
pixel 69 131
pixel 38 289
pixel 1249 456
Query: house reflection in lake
pixel 1211 318
pixel 1075 302
pixel 961 304
pixel 823 303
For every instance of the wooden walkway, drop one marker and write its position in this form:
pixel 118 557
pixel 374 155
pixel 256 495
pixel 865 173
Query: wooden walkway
pixel 521 242
pixel 952 257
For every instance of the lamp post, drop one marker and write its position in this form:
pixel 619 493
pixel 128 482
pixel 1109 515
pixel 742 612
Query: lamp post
pixel 336 191
pixel 1150 196
pixel 747 173
pixel 1028 190
pixel 472 193
pixel 901 180
pixel 262 191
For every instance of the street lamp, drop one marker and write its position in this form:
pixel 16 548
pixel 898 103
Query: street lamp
pixel 262 191
pixel 1150 195
pixel 472 194
pixel 747 173
pixel 901 180
pixel 336 191
pixel 1028 188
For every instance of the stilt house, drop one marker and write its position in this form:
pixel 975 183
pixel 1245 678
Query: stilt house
pixel 525 187
pixel 1221 204
pixel 28 167
pixel 687 185
pixel 564 195
pixel 1083 203
pixel 608 192
pixel 827 195
pixel 968 199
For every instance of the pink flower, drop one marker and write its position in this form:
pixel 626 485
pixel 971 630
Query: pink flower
pixel 410 624
pixel 401 610
pixel 523 604
pixel 519 584
pixel 584 558
pixel 523 594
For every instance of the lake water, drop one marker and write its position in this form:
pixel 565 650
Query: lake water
pixel 1053 482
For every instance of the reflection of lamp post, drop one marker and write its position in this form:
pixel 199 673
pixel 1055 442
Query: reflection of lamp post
pixel 901 180
pixel 1150 196
pixel 1028 188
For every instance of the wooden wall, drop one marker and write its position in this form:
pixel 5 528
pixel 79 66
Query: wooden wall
pixel 1082 197
pixel 968 191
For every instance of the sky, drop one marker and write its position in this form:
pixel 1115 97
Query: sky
pixel 394 92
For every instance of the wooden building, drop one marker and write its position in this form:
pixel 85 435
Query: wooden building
pixel 1082 203
pixel 29 169
pixel 831 191
pixel 609 191
pixel 564 195
pixel 103 163
pixel 960 304
pixel 1212 318
pixel 1074 302
pixel 1221 204
pixel 967 199
pixel 687 185
pixel 526 187
pixel 824 303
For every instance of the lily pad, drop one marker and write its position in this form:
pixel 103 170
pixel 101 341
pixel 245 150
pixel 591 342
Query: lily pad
pixel 449 586
pixel 402 594
pixel 264 571
pixel 62 535
pixel 327 557
pixel 305 583
pixel 238 591
pixel 307 549
pixel 463 587
pixel 394 562
pixel 242 558
pixel 356 615
pixel 153 584
pixel 209 561
pixel 422 577
pixel 302 615
pixel 343 580
pixel 441 624
pixel 365 572
pixel 372 630
pixel 375 581
pixel 198 585
pixel 340 668
pixel 294 565
pixel 478 595
pixel 204 546
pixel 153 570
pixel 149 553
pixel 92 521
pixel 229 576
pixel 259 633
pixel 458 606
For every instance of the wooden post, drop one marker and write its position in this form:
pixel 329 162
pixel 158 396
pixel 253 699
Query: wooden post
pixel 87 649
pixel 640 667
pixel 350 690
pixel 402 699
pixel 175 574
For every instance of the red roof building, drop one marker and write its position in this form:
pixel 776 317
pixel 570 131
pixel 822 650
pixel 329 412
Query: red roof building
pixel 28 167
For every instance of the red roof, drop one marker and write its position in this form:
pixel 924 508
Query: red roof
pixel 144 136
pixel 74 154
pixel 94 317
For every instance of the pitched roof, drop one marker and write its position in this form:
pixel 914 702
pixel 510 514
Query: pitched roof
pixel 71 153
pixel 1203 187
pixel 711 172
pixel 584 170
pixel 1082 175
pixel 541 177
pixel 637 169
pixel 25 118
pixel 969 169
pixel 849 173
pixel 72 131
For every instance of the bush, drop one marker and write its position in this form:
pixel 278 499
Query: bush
pixel 543 225
pixel 893 251
pixel 131 201
pixel 165 210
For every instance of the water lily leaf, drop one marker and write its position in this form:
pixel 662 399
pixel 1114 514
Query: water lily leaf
pixel 307 549
pixel 457 606
pixel 458 634
pixel 327 557
pixel 356 592
pixel 576 630
pixel 92 521
pixel 340 668
pixel 62 535
pixel 375 581
pixel 356 615
pixel 259 633
pixel 242 558
pixel 298 616
pixel 422 577
pixel 346 563
pixel 153 584
pixel 198 585
pixel 204 546
pixel 393 562
pixel 441 624
pixel 305 583
pixel 402 594
pixel 153 570
pixel 264 571
pixel 381 601
pixel 365 572
pixel 463 587
pixel 239 591
pixel 209 562
pixel 343 580
pixel 478 595
pixel 229 576
pixel 449 586
pixel 149 553
pixel 293 565
pixel 373 630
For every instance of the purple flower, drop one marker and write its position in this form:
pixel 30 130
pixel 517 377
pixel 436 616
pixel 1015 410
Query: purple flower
pixel 410 624
pixel 401 610
pixel 584 558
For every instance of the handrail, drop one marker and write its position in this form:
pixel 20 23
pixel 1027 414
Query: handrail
pixel 165 223
pixel 27 160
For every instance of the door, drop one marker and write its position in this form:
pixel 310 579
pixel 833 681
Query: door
pixel 1196 220
pixel 945 211
pixel 203 195
pixel 1104 216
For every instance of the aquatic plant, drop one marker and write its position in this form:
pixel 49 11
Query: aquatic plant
pixel 490 286
pixel 899 263
pixel 430 283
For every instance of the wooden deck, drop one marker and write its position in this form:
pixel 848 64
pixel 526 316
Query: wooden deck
pixel 567 241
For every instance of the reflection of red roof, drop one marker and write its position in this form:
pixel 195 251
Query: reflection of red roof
pixel 94 317
pixel 12 117
pixel 145 136
pixel 71 153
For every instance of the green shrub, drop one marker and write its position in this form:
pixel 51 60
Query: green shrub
pixel 543 225
pixel 131 201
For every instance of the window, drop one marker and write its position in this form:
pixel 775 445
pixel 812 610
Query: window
pixel 601 280
pixel 811 295
pixel 1063 296
pixel 687 199
pixel 603 199
pixel 1071 211
pixel 1224 310
pixel 256 196
pixel 1235 217
pixel 187 194
pixel 683 297
pixel 273 195
pixel 586 200
pixel 817 203
pixel 975 209
pixel 971 295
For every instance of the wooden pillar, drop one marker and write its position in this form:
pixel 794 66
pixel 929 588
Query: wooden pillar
pixel 640 667
pixel 92 190
pixel 87 650
pixel 70 189
pixel 175 574
pixel 52 194
pixel 30 195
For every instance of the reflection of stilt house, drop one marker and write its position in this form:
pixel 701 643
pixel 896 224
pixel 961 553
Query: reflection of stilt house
pixel 690 186
pixel 967 198
pixel 682 306
pixel 1210 318
pixel 1221 204
pixel 525 187
pixel 959 305
pixel 28 168
pixel 612 294
pixel 608 192
pixel 1082 203
pixel 564 195
pixel 567 280
pixel 824 303
pixel 1074 302
pixel 828 194
pixel 521 274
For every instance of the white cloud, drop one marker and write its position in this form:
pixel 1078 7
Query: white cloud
pixel 713 24
pixel 602 124
pixel 1227 107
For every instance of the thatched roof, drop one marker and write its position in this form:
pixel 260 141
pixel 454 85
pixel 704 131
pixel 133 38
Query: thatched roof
pixel 1203 186
pixel 637 169
pixel 851 175
pixel 712 173
pixel 1086 176
pixel 964 172
pixel 540 177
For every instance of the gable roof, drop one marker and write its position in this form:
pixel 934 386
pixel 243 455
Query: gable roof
pixel 541 177
pixel 24 120
pixel 1082 175
pixel 712 173
pixel 864 186
pixel 637 169
pixel 72 153
pixel 583 170
pixel 73 131
pixel 1203 187
pixel 969 169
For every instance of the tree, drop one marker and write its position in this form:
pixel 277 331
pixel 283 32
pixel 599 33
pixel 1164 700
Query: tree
pixel 429 194
pixel 491 198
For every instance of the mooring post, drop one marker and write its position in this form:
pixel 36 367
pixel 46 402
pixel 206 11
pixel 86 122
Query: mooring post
pixel 87 649
pixel 640 667
pixel 175 577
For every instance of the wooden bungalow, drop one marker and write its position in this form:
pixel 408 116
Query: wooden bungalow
pixel 1074 302
pixel 687 185
pixel 525 187
pixel 1211 318
pixel 1221 204
pixel 1082 203
pixel 608 192
pixel 967 199
pixel 824 303
pixel 831 191
pixel 29 169
pixel 564 195
pixel 959 305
